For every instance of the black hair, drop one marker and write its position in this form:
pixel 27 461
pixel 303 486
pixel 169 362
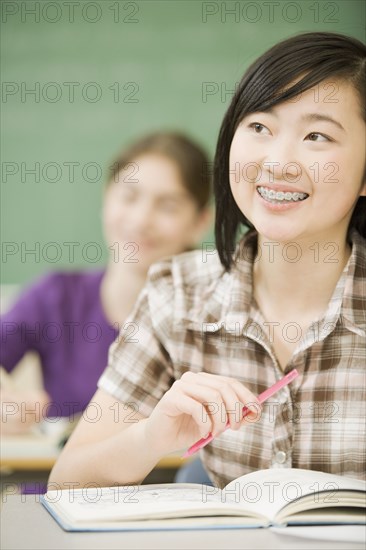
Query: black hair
pixel 308 58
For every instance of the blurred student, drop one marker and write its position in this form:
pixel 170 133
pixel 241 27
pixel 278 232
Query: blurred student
pixel 155 204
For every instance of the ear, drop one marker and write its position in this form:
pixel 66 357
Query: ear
pixel 203 224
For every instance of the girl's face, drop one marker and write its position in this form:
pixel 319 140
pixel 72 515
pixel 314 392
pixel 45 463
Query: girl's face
pixel 148 214
pixel 297 170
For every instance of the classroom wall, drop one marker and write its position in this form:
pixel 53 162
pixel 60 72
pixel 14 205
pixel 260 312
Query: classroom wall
pixel 102 74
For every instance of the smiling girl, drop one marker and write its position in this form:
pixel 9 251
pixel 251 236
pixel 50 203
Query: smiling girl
pixel 215 330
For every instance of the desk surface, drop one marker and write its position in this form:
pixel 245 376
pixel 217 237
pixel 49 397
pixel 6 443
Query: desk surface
pixel 38 452
pixel 27 525
pixel 34 464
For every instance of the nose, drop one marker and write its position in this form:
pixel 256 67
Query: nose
pixel 141 218
pixel 279 163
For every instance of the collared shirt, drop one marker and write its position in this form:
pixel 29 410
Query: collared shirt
pixel 192 315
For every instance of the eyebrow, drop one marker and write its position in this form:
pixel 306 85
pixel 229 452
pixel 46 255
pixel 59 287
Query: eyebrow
pixel 314 117
pixel 173 196
pixel 317 117
pixel 176 196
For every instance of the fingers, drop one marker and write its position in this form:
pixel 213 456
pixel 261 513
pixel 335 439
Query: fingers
pixel 210 403
pixel 243 395
pixel 221 400
pixel 177 402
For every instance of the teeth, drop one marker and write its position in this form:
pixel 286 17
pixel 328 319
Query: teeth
pixel 271 195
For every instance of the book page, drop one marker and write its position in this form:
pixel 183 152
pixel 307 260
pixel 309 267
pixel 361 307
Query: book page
pixel 268 491
pixel 139 502
pixel 259 495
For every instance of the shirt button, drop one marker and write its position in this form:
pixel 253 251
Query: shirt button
pixel 281 457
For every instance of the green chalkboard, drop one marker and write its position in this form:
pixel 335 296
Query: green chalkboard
pixel 104 73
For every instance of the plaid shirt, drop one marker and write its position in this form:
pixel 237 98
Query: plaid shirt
pixel 192 315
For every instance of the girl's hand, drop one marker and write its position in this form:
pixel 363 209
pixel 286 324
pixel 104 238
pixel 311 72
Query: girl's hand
pixel 195 405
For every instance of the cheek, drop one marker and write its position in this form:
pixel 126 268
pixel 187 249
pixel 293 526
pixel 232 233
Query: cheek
pixel 343 167
pixel 173 225
pixel 329 172
pixel 176 228
pixel 242 164
pixel 114 216
pixel 235 160
pixel 336 192
pixel 241 186
pixel 335 178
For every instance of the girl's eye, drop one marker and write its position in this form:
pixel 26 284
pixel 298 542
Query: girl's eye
pixel 258 127
pixel 314 135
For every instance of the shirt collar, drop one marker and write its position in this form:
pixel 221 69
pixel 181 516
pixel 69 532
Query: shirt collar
pixel 227 301
pixel 353 306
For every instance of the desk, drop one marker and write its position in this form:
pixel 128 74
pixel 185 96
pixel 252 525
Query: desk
pixel 30 458
pixel 27 525
pixel 34 464
pixel 39 452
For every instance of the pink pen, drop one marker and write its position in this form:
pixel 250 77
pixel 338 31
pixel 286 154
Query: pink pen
pixel 261 398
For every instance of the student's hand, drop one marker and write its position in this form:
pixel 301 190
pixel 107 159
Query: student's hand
pixel 195 405
pixel 21 409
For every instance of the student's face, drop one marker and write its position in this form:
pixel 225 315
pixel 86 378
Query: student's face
pixel 148 214
pixel 294 149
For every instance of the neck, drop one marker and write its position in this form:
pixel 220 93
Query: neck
pixel 121 285
pixel 298 277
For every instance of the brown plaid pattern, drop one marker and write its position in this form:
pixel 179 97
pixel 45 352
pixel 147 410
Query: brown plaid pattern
pixel 192 315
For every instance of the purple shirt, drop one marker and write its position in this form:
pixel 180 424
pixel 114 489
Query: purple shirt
pixel 61 317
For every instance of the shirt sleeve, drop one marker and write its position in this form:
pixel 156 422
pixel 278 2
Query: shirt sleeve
pixel 21 326
pixel 139 369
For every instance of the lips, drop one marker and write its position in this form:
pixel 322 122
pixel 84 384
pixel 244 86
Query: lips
pixel 281 194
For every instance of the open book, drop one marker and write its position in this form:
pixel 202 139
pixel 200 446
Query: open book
pixel 259 499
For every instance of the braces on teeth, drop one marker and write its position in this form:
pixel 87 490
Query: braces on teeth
pixel 280 195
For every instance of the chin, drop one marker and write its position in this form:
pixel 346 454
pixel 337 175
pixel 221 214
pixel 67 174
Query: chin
pixel 274 232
